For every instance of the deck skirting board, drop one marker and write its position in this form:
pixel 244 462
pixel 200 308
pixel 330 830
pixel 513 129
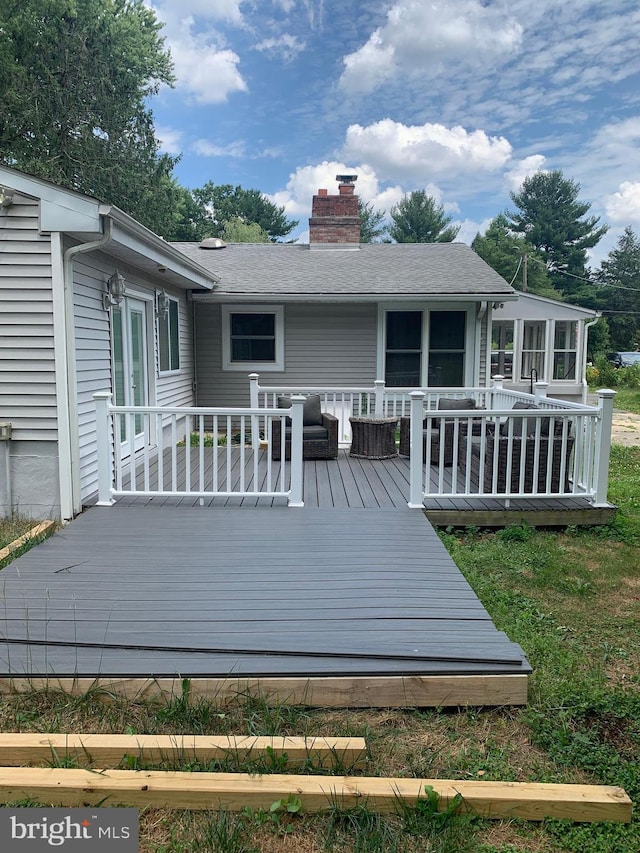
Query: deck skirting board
pixel 413 691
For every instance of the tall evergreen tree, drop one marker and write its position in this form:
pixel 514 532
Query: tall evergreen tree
pixel 619 299
pixel 74 81
pixel 418 218
pixel 372 227
pixel 512 257
pixel 551 218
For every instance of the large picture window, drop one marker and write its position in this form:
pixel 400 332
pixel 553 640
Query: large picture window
pixel 253 337
pixel 169 338
pixel 424 348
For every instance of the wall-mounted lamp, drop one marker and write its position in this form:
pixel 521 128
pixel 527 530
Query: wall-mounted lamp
pixel 116 289
pixel 497 305
pixel 162 304
pixel 6 197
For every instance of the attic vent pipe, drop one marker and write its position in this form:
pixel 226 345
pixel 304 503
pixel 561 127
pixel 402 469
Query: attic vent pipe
pixel 212 243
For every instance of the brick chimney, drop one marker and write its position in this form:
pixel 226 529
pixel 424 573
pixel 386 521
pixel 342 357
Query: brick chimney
pixel 334 218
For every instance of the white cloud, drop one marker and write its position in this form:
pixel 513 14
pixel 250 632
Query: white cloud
pixel 421 38
pixel 204 66
pixel 210 10
pixel 522 169
pixel 170 140
pixel 469 228
pixel 623 207
pixel 305 182
pixel 400 152
pixel 209 149
pixel 286 46
pixel 208 73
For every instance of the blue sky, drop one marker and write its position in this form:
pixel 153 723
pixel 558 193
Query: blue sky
pixel 459 97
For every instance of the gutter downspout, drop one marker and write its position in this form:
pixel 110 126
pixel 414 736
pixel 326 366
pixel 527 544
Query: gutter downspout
pixel 585 340
pixel 70 355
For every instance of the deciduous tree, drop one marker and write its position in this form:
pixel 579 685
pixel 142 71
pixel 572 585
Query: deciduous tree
pixel 223 203
pixel 418 218
pixel 75 77
pixel 506 252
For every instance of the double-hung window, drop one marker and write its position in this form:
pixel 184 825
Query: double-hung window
pixel 169 338
pixel 252 337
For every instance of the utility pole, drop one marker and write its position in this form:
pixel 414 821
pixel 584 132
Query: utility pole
pixel 525 258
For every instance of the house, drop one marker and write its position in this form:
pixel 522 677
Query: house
pixel 91 301
pixel 540 339
pixel 64 336
pixel 335 312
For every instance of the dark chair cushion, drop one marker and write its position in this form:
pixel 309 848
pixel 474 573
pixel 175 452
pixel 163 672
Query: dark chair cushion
pixel 311 411
pixel 448 403
pixel 520 424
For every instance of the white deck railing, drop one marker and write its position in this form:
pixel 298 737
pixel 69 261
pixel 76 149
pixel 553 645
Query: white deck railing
pixel 565 452
pixel 196 452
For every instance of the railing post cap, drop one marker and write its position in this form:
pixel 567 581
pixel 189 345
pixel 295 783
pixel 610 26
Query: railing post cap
pixel 298 398
pixel 417 395
pixel 254 375
pixel 606 393
pixel 102 395
pixel 379 382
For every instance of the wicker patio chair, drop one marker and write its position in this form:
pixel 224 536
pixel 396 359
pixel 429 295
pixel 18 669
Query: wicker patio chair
pixel 508 445
pixel 319 432
pixel 433 430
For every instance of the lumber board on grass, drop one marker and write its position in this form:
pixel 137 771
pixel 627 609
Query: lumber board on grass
pixel 38 530
pixel 411 691
pixel 20 748
pixel 237 791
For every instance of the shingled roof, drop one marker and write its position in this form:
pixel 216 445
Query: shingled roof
pixel 375 269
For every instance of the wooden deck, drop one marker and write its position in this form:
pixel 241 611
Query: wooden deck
pixel 355 483
pixel 365 606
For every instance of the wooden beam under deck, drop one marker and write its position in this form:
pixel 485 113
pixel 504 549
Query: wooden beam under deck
pixel 323 692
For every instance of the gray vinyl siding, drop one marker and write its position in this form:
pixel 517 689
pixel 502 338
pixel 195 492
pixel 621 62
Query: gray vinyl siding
pixel 93 352
pixel 177 388
pixel 93 356
pixel 27 358
pixel 325 344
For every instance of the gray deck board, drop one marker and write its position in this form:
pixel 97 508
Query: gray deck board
pixel 177 590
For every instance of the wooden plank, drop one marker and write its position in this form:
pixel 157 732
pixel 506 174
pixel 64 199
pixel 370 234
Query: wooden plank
pixel 561 517
pixel 238 791
pixel 412 691
pixel 39 530
pixel 102 750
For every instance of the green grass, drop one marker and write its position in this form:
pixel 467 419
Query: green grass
pixel 571 599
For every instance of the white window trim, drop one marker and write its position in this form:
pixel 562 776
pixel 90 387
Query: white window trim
pixel 426 309
pixel 260 366
pixel 170 370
